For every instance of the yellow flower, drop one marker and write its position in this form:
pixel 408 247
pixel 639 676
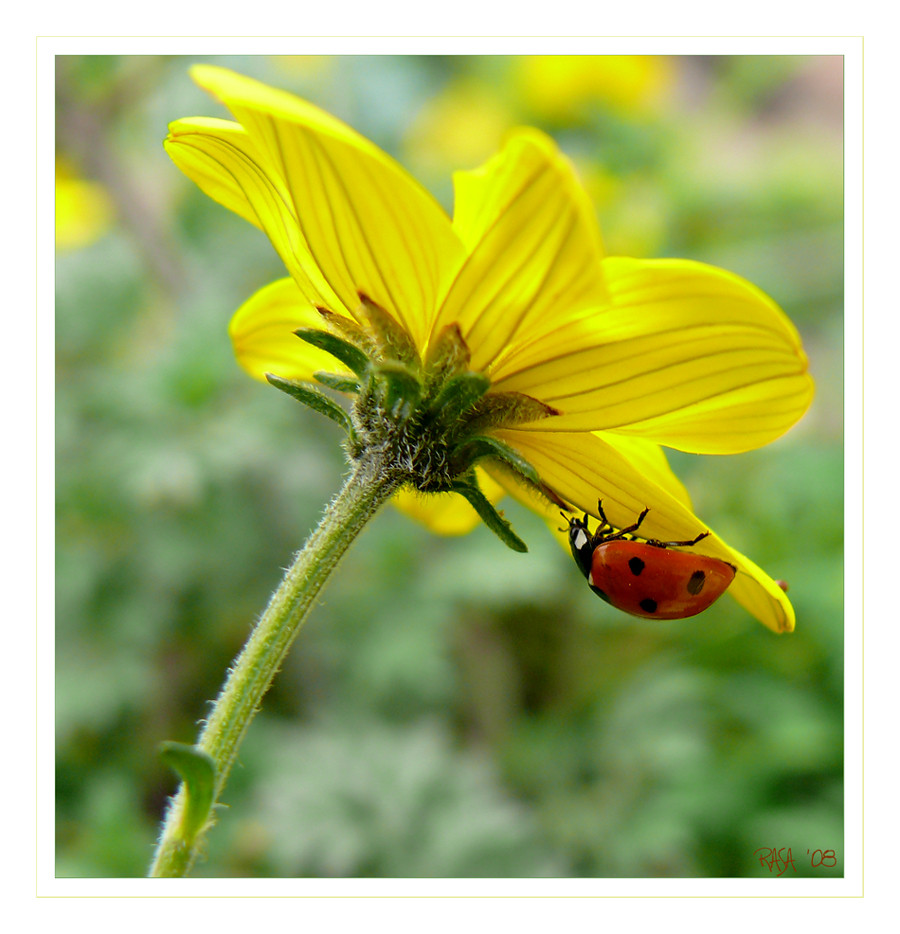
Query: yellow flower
pixel 561 86
pixel 84 210
pixel 461 125
pixel 610 357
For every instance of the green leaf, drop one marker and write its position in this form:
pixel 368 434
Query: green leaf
pixel 198 772
pixel 346 352
pixel 337 381
pixel 484 446
pixel 489 516
pixel 311 396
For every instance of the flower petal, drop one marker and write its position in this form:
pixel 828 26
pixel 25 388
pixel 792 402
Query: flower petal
pixel 262 334
pixel 209 174
pixel 534 248
pixel 220 157
pixel 649 460
pixel 447 513
pixel 685 355
pixel 759 595
pixel 369 226
pixel 582 468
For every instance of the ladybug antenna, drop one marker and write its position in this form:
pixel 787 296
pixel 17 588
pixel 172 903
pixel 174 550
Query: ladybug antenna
pixel 574 521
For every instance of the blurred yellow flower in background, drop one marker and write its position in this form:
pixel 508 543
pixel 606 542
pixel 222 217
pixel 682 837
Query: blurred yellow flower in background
pixel 462 125
pixel 84 210
pixel 563 86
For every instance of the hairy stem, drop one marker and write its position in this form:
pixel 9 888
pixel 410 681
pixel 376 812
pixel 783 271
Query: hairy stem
pixel 365 490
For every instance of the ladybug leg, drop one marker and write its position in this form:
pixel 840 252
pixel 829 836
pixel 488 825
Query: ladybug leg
pixel 599 535
pixel 601 515
pixel 605 523
pixel 632 528
pixel 693 541
pixel 699 538
pixel 622 532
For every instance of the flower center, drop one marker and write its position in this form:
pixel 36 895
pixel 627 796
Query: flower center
pixel 425 423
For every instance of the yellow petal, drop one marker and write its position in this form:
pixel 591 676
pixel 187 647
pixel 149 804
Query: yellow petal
pixel 221 158
pixel 262 334
pixel 582 468
pixel 649 460
pixel 759 595
pixel 368 225
pixel 534 248
pixel 209 174
pixel 447 513
pixel 685 355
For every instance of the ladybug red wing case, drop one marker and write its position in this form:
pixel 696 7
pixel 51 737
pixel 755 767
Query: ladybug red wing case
pixel 657 583
pixel 646 577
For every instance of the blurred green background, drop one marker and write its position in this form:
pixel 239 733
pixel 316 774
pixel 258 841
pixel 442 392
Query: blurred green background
pixel 452 708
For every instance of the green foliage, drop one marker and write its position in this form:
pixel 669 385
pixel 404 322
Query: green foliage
pixel 375 798
pixel 197 771
pixel 452 708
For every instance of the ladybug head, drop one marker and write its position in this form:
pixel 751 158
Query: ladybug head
pixel 581 542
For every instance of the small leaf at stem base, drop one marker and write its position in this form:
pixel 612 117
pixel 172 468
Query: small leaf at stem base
pixel 198 772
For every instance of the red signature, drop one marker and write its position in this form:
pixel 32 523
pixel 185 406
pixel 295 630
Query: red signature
pixel 781 858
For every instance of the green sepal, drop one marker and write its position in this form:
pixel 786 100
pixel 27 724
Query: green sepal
pixel 311 397
pixel 400 388
pixel 197 770
pixel 473 449
pixel 503 409
pixel 488 515
pixel 347 353
pixel 393 340
pixel 337 381
pixel 348 329
pixel 459 394
pixel 447 354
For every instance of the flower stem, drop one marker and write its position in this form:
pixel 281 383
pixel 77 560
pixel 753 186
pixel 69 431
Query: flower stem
pixel 365 490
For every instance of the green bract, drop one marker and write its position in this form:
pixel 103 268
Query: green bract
pixel 426 420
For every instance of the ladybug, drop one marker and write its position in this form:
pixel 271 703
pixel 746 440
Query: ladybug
pixel 643 576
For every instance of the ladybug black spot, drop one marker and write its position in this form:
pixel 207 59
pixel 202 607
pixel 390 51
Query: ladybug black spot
pixel 695 584
pixel 636 566
pixel 648 605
